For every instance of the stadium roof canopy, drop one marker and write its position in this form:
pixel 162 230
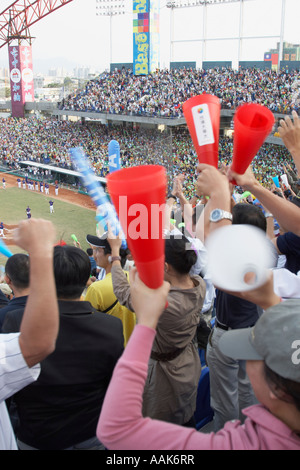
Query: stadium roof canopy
pixel 58 170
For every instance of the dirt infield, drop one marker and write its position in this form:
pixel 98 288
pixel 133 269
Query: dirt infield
pixel 65 195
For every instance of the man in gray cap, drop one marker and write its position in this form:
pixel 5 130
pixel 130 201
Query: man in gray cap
pixel 275 339
pixel 272 351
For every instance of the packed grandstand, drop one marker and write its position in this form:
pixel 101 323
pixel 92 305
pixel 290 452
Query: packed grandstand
pixel 48 140
pixel 162 93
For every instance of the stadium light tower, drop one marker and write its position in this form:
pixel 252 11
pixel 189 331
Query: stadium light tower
pixel 110 8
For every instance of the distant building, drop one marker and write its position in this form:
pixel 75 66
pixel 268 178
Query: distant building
pixel 291 53
pixel 58 72
pixel 39 81
pixel 84 73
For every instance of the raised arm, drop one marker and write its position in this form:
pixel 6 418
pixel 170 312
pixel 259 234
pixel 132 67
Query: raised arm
pixel 286 213
pixel 186 206
pixel 40 324
pixel 211 182
pixel 289 131
pixel 120 282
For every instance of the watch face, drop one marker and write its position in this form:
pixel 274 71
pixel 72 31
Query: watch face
pixel 216 215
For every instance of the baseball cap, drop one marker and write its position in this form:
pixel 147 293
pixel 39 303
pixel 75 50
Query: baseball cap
pixel 99 242
pixel 275 339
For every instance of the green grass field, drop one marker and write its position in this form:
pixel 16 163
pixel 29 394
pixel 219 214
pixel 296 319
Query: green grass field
pixel 68 218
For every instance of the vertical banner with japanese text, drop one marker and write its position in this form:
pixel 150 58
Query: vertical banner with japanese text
pixel 145 36
pixel 21 78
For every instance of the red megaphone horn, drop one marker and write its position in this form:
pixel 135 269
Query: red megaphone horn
pixel 139 196
pixel 252 125
pixel 202 115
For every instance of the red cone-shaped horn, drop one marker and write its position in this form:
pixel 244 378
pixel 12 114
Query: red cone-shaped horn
pixel 252 125
pixel 202 115
pixel 139 196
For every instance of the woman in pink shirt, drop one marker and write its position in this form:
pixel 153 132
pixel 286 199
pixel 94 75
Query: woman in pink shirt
pixel 272 351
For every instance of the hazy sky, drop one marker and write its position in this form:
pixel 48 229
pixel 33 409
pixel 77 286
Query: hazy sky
pixel 76 34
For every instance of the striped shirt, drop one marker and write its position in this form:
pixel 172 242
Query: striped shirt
pixel 14 375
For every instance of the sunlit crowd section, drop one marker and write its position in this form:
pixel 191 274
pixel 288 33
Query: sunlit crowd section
pixel 163 92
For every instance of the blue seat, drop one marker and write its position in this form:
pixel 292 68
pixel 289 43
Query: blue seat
pixel 204 413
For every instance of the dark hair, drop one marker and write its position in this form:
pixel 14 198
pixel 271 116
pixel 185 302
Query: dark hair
pixel 178 254
pixel 72 269
pixel 107 249
pixel 249 214
pixel 89 251
pixel 17 269
pixel 285 389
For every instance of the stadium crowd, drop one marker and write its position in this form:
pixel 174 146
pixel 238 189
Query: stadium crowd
pixel 163 92
pixel 48 141
pixel 108 363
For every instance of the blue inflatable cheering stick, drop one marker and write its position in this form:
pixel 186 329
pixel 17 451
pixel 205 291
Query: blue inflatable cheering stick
pixel 4 250
pixel 106 211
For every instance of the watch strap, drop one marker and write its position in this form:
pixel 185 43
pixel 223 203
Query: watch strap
pixel 224 215
pixel 114 258
pixel 227 215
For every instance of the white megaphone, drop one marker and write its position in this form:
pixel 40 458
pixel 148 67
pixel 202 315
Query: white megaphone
pixel 239 257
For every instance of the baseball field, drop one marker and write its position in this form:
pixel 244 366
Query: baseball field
pixel 74 213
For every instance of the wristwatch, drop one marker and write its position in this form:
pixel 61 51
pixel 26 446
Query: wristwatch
pixel 218 214
pixel 111 259
pixel 172 196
